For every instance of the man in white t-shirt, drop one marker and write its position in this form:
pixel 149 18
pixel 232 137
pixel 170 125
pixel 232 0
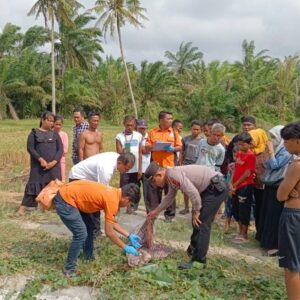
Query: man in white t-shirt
pixel 130 141
pixel 141 127
pixel 101 167
pixel 210 151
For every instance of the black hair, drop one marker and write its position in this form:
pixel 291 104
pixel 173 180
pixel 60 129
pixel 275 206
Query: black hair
pixel 248 119
pixel 213 121
pixel 132 191
pixel 196 122
pixel 291 131
pixel 93 114
pixel 235 149
pixel 80 110
pixel 129 118
pixel 176 122
pixel 45 115
pixel 58 117
pixel 244 137
pixel 162 114
pixel 126 158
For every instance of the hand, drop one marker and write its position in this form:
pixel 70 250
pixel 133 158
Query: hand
pixel 139 175
pixel 51 164
pixel 43 163
pixel 270 147
pixel 294 193
pixel 153 214
pixel 169 148
pixel 134 240
pixel 196 218
pixel 130 250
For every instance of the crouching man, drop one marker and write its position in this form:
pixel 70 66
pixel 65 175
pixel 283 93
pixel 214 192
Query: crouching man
pixel 76 200
pixel 205 188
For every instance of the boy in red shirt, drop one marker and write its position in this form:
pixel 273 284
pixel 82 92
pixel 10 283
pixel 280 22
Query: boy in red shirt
pixel 241 186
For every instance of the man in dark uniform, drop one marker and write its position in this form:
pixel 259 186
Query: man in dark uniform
pixel 206 190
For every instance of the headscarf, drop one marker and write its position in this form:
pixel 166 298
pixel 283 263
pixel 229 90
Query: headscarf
pixel 260 138
pixel 275 131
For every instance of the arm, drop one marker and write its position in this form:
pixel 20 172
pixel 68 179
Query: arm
pixel 101 143
pixel 31 146
pixel 110 233
pixel 220 158
pixel 81 145
pixel 289 182
pixel 140 161
pixel 59 153
pixel 119 147
pixel 246 174
pixel 278 161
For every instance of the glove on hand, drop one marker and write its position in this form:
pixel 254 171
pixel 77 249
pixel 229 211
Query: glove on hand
pixel 130 250
pixel 134 240
pixel 169 148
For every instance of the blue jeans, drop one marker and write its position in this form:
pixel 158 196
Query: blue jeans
pixel 81 226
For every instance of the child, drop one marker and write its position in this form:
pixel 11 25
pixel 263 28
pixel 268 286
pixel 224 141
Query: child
pixel 289 224
pixel 58 122
pixel 189 154
pixel 241 186
pixel 130 141
pixel 177 126
pixel 228 203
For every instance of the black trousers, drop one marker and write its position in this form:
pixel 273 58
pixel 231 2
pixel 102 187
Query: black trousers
pixel 211 202
pixel 154 197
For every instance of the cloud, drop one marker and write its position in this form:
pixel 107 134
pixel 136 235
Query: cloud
pixel 217 27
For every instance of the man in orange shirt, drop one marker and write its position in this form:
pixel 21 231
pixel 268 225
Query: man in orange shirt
pixel 77 199
pixel 165 158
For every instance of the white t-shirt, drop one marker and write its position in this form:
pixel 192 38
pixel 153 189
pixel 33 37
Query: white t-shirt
pixel 99 167
pixel 133 141
pixel 146 157
pixel 210 155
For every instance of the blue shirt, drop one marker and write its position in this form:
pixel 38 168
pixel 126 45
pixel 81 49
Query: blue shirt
pixel 281 158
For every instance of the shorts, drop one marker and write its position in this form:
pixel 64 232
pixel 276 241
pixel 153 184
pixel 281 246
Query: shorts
pixel 228 207
pixel 289 239
pixel 241 204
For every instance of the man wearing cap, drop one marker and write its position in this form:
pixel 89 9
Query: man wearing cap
pixel 141 127
pixel 165 158
pixel 205 188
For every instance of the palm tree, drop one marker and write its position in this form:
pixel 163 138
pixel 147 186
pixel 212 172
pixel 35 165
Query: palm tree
pixel 114 15
pixel 184 58
pixel 54 10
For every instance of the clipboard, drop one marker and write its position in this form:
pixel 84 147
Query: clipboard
pixel 160 146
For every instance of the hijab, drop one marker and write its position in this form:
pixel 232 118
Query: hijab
pixel 260 138
pixel 277 140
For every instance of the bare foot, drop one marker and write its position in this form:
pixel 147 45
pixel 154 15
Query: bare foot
pixel 21 211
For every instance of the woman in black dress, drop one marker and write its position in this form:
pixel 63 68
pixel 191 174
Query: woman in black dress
pixel 45 149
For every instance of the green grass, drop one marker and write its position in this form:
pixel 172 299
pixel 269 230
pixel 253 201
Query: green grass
pixel 39 255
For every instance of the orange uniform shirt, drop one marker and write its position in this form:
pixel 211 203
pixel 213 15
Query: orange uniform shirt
pixel 90 197
pixel 164 158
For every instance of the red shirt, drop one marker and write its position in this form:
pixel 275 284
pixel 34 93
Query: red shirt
pixel 244 161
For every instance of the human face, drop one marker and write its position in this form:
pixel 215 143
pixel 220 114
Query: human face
pixel 166 122
pixel 206 131
pixel 215 137
pixel 57 125
pixel 195 130
pixel 129 126
pixel 78 118
pixel 292 146
pixel 244 147
pixel 247 126
pixel 179 127
pixel 142 130
pixel 125 202
pixel 122 168
pixel 47 124
pixel 94 122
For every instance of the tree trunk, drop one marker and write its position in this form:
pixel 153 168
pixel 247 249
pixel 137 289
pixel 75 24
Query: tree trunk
pixel 53 66
pixel 126 70
pixel 12 110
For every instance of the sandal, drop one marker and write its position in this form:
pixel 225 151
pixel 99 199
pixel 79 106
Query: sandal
pixel 184 211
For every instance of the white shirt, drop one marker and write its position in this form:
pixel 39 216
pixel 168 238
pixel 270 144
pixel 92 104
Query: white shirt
pixel 210 155
pixel 146 157
pixel 134 140
pixel 99 167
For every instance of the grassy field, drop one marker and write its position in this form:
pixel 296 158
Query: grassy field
pixel 233 272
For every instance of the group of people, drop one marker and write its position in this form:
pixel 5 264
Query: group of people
pixel 253 173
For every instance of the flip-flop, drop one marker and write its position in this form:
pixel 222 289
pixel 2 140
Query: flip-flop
pixel 240 240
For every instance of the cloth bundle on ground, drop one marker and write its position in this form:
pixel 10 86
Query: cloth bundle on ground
pixel 149 249
pixel 47 194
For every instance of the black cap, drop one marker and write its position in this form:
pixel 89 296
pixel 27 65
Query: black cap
pixel 248 119
pixel 152 169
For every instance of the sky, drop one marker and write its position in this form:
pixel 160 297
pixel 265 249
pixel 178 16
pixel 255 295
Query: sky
pixel 216 27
